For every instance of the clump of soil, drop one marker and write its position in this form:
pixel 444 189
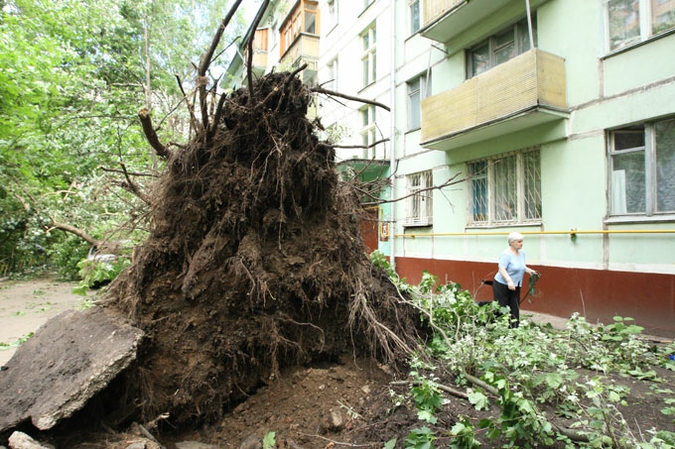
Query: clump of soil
pixel 254 263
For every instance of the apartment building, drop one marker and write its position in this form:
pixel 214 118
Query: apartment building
pixel 553 118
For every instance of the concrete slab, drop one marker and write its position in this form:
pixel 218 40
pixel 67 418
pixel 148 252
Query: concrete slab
pixel 69 359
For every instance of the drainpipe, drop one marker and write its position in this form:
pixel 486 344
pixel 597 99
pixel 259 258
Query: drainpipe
pixel 392 137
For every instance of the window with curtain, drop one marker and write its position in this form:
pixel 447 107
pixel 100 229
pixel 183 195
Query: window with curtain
pixel 633 21
pixel 642 169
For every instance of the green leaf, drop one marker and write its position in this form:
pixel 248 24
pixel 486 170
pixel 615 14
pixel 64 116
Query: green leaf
pixel 269 441
pixel 479 400
pixel 391 444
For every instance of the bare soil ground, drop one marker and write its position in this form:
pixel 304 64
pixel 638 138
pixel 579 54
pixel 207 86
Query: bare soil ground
pixel 27 305
pixel 346 403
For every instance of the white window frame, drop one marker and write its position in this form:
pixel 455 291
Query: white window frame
pixel 369 55
pixel 332 75
pixel 617 181
pixel 418 89
pixel 332 13
pixel 415 12
pixel 490 209
pixel 419 199
pixel 644 22
pixel 368 130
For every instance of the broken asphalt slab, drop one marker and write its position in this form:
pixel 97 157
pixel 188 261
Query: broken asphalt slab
pixel 70 358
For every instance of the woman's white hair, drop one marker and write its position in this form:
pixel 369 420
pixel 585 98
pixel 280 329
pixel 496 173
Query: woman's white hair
pixel 514 236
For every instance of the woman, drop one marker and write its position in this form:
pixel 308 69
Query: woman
pixel 509 278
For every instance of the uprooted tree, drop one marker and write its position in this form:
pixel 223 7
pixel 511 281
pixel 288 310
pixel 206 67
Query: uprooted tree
pixel 254 261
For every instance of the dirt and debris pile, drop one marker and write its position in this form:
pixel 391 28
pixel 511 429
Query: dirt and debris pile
pixel 254 262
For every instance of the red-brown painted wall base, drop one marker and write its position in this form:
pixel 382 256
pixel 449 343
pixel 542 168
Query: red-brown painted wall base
pixel 598 295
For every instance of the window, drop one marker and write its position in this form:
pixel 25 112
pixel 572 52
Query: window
pixel 369 56
pixel 419 202
pixel 501 47
pixel 642 172
pixel 332 13
pixel 367 3
pixel 633 21
pixel 303 19
pixel 415 16
pixel 505 189
pixel 418 89
pixel 368 131
pixel 332 75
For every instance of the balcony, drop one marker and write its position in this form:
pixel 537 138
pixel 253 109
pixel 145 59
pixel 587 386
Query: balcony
pixel 526 91
pixel 304 49
pixel 445 19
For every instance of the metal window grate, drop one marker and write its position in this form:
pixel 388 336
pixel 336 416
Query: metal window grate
pixel 531 186
pixel 505 189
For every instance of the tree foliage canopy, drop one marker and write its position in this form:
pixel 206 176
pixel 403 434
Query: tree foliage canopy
pixel 73 75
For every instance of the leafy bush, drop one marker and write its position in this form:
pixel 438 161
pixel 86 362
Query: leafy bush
pixel 525 368
pixel 66 257
pixel 96 274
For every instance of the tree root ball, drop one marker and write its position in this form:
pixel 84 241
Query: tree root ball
pixel 254 262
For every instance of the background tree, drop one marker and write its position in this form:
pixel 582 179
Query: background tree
pixel 73 76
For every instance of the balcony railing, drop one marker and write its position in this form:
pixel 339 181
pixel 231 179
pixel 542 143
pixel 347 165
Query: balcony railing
pixel 305 48
pixel 434 9
pixel 526 91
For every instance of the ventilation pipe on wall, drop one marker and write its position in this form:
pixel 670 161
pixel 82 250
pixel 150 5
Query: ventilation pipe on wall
pixel 392 136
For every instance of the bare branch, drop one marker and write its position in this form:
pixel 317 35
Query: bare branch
pixel 451 181
pixel 132 187
pixel 254 26
pixel 193 120
pixel 206 58
pixel 363 146
pixel 151 135
pixel 206 62
pixel 332 93
pixel 76 231
pixel 114 170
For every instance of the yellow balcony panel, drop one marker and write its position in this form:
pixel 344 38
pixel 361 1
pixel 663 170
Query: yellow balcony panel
pixel 305 47
pixel 521 93
pixel 445 19
pixel 260 60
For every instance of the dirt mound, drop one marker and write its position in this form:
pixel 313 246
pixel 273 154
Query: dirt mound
pixel 254 263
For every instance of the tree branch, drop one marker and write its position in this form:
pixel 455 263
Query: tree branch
pixel 132 187
pixel 254 26
pixel 206 62
pixel 331 93
pixel 363 146
pixel 76 231
pixel 151 135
